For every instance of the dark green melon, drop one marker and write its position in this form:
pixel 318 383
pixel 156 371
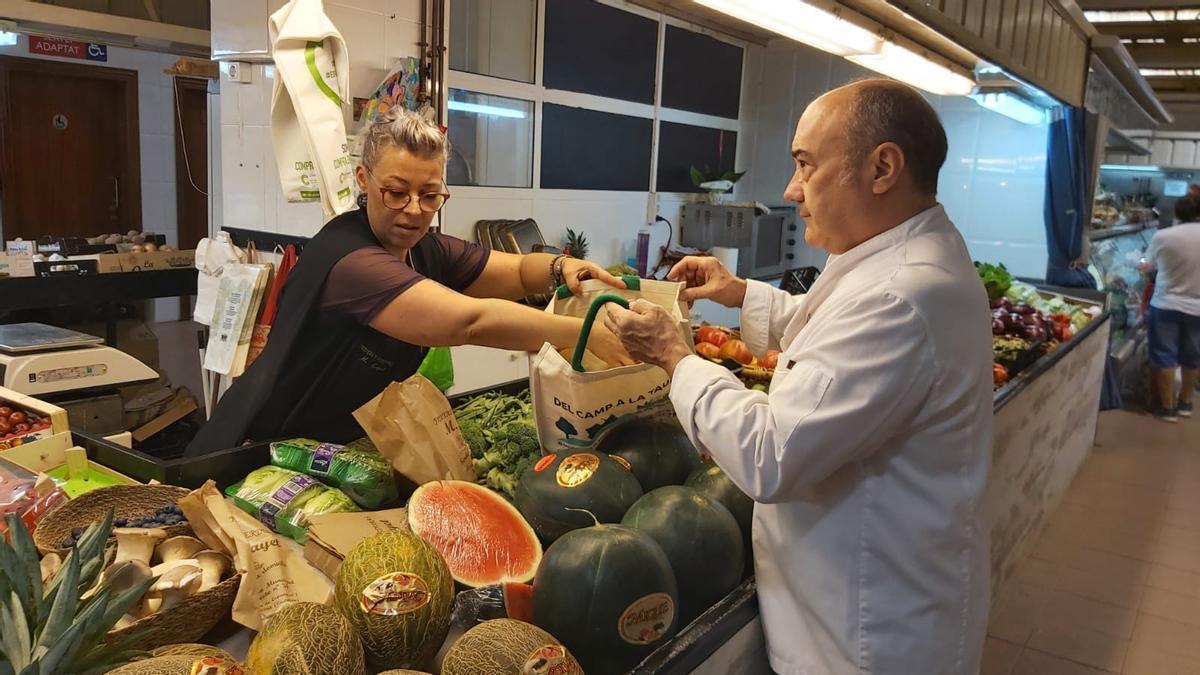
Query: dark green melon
pixel 508 647
pixel 701 539
pixel 609 594
pixel 585 481
pixel 658 452
pixel 396 591
pixel 306 637
pixel 711 480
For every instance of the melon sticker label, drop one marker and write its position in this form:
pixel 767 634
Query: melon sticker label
pixel 394 594
pixel 576 469
pixel 544 463
pixel 622 461
pixel 215 665
pixel 549 660
pixel 646 619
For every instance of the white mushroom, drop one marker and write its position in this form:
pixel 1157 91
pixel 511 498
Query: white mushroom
pixel 182 547
pixel 136 543
pixel 214 564
pixel 162 568
pixel 120 577
pixel 177 585
pixel 50 565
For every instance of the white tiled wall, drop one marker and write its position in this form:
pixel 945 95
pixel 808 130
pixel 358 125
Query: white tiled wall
pixel 993 182
pixel 156 118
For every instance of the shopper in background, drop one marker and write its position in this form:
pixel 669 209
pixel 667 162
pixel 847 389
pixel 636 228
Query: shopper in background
pixel 869 456
pixel 1174 318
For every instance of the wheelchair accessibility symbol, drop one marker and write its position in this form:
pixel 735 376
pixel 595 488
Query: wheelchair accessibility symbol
pixel 59 121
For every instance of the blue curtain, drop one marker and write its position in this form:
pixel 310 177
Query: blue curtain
pixel 1066 210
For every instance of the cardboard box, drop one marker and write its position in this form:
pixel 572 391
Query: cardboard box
pixel 145 262
pixel 331 536
pixel 16 264
pixel 51 453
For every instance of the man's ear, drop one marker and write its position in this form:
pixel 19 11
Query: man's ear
pixel 887 165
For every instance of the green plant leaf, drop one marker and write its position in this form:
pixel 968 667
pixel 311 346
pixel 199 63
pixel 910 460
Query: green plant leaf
pixel 697 177
pixel 63 649
pixel 18 576
pixel 66 603
pixel 26 551
pixel 15 636
pixel 733 176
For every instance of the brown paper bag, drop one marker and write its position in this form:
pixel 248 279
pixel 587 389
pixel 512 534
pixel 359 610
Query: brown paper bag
pixel 413 426
pixel 331 536
pixel 275 571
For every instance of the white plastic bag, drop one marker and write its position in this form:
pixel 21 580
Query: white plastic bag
pixel 212 256
pixel 239 295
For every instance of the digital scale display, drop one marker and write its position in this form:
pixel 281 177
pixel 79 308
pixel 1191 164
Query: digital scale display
pixel 71 373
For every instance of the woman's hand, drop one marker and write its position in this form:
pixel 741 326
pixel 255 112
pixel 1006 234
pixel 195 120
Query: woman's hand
pixel 606 346
pixel 707 278
pixel 575 271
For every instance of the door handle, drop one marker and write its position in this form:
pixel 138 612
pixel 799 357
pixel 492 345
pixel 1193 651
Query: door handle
pixel 116 193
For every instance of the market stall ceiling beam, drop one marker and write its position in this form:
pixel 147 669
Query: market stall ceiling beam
pixel 1113 5
pixel 1165 56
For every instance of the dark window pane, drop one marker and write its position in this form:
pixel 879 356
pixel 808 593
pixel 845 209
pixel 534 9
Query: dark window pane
pixel 491 140
pixel 590 150
pixel 682 146
pixel 701 74
pixel 596 49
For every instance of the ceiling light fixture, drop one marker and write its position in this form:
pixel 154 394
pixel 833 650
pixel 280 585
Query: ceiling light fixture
pixel 1143 15
pixel 1170 72
pixel 494 111
pixel 804 22
pixel 918 68
pixel 1011 106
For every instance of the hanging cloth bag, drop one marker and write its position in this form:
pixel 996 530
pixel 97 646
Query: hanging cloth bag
pixel 262 329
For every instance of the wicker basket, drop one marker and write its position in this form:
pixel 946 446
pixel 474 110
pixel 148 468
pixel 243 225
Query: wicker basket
pixel 188 621
pixel 126 501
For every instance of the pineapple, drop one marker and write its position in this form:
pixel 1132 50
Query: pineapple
pixel 577 244
pixel 48 629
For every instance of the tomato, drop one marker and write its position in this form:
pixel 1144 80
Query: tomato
pixel 736 350
pixel 999 374
pixel 18 417
pixel 771 360
pixel 708 350
pixel 713 335
pixel 21 428
pixel 5 411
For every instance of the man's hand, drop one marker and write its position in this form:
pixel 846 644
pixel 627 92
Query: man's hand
pixel 608 347
pixel 649 333
pixel 575 271
pixel 707 278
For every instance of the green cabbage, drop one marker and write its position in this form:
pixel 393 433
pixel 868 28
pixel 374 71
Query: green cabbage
pixel 284 500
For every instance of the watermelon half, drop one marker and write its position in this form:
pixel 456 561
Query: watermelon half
pixel 483 538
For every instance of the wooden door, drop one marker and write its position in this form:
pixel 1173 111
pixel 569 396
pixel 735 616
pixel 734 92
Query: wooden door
pixel 191 166
pixel 69 161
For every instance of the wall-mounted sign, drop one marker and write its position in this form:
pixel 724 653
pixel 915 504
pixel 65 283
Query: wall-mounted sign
pixel 59 121
pixel 70 49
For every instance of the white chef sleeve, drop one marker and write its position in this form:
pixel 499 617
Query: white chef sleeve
pixel 861 374
pixel 766 311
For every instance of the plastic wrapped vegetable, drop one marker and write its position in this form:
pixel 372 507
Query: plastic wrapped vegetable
pixel 357 469
pixel 284 500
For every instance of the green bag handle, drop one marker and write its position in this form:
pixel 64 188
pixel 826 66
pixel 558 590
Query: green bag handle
pixel 588 320
pixel 632 283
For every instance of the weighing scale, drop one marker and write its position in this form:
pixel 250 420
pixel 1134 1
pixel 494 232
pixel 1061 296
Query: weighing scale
pixel 42 361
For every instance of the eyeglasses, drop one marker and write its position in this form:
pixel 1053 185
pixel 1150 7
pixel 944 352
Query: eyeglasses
pixel 430 202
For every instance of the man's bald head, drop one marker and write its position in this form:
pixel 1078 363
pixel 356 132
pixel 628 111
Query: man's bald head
pixel 878 111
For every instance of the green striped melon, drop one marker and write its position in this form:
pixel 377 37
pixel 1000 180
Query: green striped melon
pixel 658 452
pixel 508 647
pixel 572 490
pixel 711 480
pixel 397 592
pixel 701 539
pixel 304 638
pixel 180 665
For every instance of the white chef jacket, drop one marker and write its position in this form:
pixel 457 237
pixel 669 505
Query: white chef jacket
pixel 868 459
pixel 1175 252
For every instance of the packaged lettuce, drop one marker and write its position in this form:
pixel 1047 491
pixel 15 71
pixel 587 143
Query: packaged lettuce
pixel 284 500
pixel 357 469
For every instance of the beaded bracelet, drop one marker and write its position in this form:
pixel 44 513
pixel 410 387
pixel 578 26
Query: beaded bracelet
pixel 556 271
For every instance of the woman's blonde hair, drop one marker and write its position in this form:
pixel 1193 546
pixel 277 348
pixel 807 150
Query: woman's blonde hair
pixel 400 128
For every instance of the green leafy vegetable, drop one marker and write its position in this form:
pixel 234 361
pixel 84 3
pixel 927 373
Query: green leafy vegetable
pixel 996 279
pixel 499 430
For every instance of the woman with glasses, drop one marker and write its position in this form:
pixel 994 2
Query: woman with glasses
pixel 374 289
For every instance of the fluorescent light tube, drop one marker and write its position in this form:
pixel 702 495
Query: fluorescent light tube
pixel 494 111
pixel 1013 107
pixel 804 22
pixel 8 38
pixel 1131 167
pixel 901 63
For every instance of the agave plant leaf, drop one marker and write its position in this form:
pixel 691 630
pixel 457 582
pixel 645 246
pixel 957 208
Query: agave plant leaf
pixel 733 176
pixel 66 604
pixel 14 568
pixel 62 651
pixel 15 636
pixel 27 553
pixel 697 176
pixel 113 610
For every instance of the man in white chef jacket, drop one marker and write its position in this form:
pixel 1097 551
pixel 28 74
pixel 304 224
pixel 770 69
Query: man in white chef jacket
pixel 869 457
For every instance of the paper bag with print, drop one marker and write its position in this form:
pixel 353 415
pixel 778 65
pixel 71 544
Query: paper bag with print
pixel 413 426
pixel 275 571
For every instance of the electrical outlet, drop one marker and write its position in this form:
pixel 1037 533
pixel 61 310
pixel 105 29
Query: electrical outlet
pixel 239 72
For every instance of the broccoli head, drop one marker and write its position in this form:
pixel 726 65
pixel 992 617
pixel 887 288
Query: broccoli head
pixel 514 441
pixel 473 434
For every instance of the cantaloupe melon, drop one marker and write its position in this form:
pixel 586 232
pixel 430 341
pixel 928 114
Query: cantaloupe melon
pixel 397 592
pixel 180 665
pixel 192 649
pixel 508 647
pixel 303 638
